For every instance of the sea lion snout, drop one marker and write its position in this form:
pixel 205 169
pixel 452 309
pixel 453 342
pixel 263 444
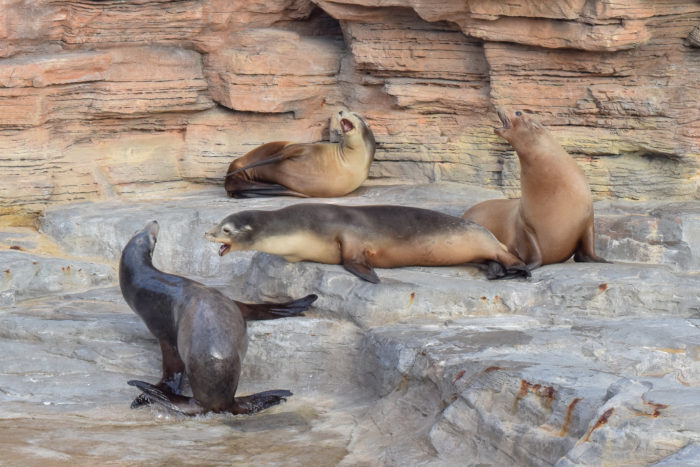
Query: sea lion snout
pixel 153 228
pixel 228 235
pixel 506 124
pixel 225 247
pixel 504 120
pixel 345 124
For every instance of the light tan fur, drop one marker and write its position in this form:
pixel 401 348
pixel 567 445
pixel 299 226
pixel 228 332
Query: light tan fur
pixel 300 246
pixel 307 169
pixel 553 219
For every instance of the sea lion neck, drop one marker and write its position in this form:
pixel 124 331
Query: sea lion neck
pixel 359 145
pixel 138 253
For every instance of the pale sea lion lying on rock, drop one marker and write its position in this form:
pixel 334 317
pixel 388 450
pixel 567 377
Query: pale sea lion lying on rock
pixel 319 170
pixel 202 334
pixel 553 219
pixel 364 237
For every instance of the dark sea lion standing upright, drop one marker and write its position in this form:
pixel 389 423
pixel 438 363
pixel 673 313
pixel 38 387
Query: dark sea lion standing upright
pixel 553 219
pixel 364 237
pixel 202 333
pixel 319 170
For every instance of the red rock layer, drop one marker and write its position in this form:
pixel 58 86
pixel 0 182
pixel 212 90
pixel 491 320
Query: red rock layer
pixel 145 97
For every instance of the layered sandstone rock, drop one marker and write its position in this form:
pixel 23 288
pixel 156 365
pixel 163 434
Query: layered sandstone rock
pixel 114 98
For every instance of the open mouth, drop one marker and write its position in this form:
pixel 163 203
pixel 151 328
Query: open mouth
pixel 224 248
pixel 346 125
pixel 504 119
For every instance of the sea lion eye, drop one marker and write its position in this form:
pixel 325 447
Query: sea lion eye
pixel 227 230
pixel 518 113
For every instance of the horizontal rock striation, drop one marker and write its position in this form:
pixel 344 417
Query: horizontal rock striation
pixel 145 97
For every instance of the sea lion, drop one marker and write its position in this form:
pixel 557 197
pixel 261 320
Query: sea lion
pixel 363 237
pixel 554 217
pixel 306 169
pixel 202 333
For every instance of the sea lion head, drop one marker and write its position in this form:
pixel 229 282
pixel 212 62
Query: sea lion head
pixel 235 232
pixel 519 130
pixel 356 132
pixel 144 241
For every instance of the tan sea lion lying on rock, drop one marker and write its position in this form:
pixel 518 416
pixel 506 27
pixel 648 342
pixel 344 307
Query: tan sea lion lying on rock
pixel 364 237
pixel 553 219
pixel 306 169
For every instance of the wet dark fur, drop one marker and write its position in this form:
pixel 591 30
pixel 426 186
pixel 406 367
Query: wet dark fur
pixel 202 334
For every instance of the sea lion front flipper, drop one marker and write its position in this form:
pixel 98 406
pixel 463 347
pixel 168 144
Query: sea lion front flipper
pixel 585 251
pixel 526 246
pixel 270 153
pixel 262 311
pixel 354 256
pixel 253 403
pixel 173 373
pixel 172 385
pixel 174 402
pixel 362 269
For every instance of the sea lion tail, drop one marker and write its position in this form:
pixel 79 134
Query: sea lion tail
pixel 263 311
pixel 260 401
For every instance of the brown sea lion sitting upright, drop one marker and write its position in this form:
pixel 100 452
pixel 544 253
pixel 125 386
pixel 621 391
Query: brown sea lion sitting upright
pixel 553 219
pixel 202 333
pixel 364 237
pixel 306 169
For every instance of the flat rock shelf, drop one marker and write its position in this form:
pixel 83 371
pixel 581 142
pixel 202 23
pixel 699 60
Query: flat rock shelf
pixel 582 364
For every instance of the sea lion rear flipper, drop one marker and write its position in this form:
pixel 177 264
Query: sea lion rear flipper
pixel 585 251
pixel 262 311
pixel 239 188
pixel 496 270
pixel 174 402
pixel 260 401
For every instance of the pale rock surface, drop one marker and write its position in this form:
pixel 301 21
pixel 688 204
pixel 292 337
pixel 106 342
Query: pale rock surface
pixel 582 364
pixel 115 112
pixel 185 87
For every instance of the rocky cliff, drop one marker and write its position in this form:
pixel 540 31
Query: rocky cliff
pixel 138 98
pixel 134 105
